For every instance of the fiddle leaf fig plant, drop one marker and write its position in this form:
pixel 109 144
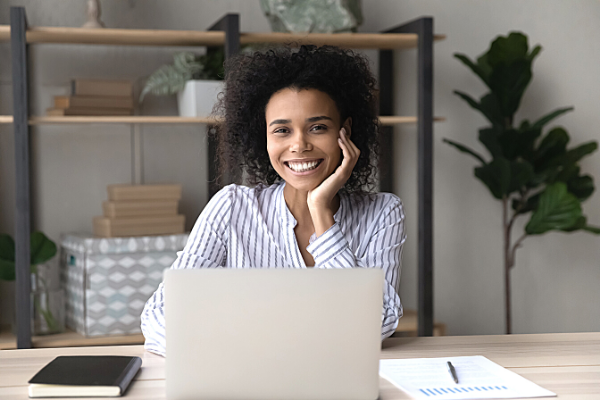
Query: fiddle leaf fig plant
pixel 533 174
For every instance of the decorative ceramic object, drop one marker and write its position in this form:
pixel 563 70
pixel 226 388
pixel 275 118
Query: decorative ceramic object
pixel 198 98
pixel 317 16
pixel 93 15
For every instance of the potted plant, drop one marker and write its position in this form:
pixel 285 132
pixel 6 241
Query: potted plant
pixel 197 80
pixel 530 173
pixel 47 302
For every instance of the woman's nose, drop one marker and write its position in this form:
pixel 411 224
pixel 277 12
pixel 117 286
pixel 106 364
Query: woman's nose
pixel 299 143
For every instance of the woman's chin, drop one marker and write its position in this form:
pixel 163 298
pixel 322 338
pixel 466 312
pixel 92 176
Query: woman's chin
pixel 303 183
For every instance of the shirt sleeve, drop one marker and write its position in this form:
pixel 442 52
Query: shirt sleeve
pixel 383 249
pixel 206 248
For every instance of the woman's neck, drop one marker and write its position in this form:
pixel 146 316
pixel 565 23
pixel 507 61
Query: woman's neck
pixel 296 202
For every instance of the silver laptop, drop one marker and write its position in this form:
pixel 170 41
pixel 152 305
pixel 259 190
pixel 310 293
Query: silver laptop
pixel 273 333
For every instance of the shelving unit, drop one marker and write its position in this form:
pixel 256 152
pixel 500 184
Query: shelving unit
pixel 417 34
pixel 151 119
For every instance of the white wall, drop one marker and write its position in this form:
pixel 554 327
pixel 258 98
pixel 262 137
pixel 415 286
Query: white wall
pixel 556 277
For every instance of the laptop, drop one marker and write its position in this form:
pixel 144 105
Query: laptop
pixel 285 334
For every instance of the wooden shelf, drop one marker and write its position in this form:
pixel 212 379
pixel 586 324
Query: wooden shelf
pixel 151 119
pixel 149 37
pixel 70 339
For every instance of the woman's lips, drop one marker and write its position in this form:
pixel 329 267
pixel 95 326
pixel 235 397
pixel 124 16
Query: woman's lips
pixel 303 167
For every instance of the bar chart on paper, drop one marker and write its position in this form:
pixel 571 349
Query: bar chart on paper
pixel 479 378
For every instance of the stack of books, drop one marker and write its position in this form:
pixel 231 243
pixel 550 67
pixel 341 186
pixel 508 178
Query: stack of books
pixel 140 210
pixel 95 97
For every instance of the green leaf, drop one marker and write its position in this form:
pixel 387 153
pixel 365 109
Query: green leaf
pixel 42 248
pixel 508 49
pixel 581 186
pixel 7 247
pixel 478 70
pixel 488 106
pixel 552 145
pixel 557 210
pixel 547 118
pixel 508 82
pixel 7 270
pixel 536 50
pixel 521 172
pixel 580 224
pixel 518 144
pixel 484 65
pixel 496 176
pixel 576 154
pixel 464 149
pixel 592 229
pixel 564 173
pixel 471 101
pixel 489 138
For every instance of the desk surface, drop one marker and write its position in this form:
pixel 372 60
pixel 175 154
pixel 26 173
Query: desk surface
pixel 565 363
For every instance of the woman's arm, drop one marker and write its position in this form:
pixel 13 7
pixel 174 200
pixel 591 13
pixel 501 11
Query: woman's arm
pixel 381 247
pixel 206 248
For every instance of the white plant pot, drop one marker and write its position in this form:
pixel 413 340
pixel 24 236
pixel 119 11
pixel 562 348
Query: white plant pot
pixel 198 98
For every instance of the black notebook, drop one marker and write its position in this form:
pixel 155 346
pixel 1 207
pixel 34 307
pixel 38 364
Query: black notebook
pixel 85 376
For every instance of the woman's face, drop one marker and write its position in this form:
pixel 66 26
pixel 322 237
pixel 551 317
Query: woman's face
pixel 303 128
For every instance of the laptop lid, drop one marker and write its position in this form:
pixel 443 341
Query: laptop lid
pixel 273 333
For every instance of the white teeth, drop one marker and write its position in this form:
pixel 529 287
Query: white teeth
pixel 303 166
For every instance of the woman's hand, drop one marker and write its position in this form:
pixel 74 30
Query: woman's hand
pixel 320 199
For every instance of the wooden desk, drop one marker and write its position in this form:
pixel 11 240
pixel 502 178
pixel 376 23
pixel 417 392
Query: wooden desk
pixel 565 363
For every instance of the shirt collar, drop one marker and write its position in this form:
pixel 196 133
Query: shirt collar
pixel 285 215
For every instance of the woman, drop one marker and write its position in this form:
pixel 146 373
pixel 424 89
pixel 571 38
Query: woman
pixel 302 126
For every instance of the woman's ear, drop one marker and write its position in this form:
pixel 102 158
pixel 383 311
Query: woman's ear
pixel 348 125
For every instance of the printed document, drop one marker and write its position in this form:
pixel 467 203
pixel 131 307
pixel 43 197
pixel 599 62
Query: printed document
pixel 478 378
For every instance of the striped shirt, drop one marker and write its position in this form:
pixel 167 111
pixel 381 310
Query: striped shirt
pixel 243 227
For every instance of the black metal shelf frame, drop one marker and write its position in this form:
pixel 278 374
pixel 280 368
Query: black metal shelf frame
pixel 423 27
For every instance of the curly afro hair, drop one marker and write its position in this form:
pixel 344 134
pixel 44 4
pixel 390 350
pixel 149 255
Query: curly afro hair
pixel 251 80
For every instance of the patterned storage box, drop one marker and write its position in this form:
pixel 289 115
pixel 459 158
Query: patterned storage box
pixel 108 280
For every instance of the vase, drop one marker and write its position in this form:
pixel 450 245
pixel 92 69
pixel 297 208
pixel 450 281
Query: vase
pixel 47 312
pixel 198 98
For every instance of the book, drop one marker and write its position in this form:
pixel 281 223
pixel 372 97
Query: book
pixel 93 101
pixel 87 111
pixel 144 192
pixel 124 209
pixel 139 226
pixel 85 376
pixel 96 87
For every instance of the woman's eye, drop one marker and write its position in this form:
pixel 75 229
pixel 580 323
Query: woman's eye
pixel 318 128
pixel 280 131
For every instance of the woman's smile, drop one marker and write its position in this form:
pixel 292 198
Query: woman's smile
pixel 304 167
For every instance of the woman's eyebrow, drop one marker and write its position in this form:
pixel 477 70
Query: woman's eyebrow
pixel 280 121
pixel 311 119
pixel 314 119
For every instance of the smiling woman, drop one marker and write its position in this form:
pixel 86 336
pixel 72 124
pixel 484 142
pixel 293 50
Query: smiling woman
pixel 302 125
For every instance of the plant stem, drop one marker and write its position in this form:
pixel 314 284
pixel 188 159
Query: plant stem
pixel 507 226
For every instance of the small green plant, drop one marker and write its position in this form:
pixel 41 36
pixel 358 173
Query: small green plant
pixel 42 249
pixel 529 172
pixel 170 79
